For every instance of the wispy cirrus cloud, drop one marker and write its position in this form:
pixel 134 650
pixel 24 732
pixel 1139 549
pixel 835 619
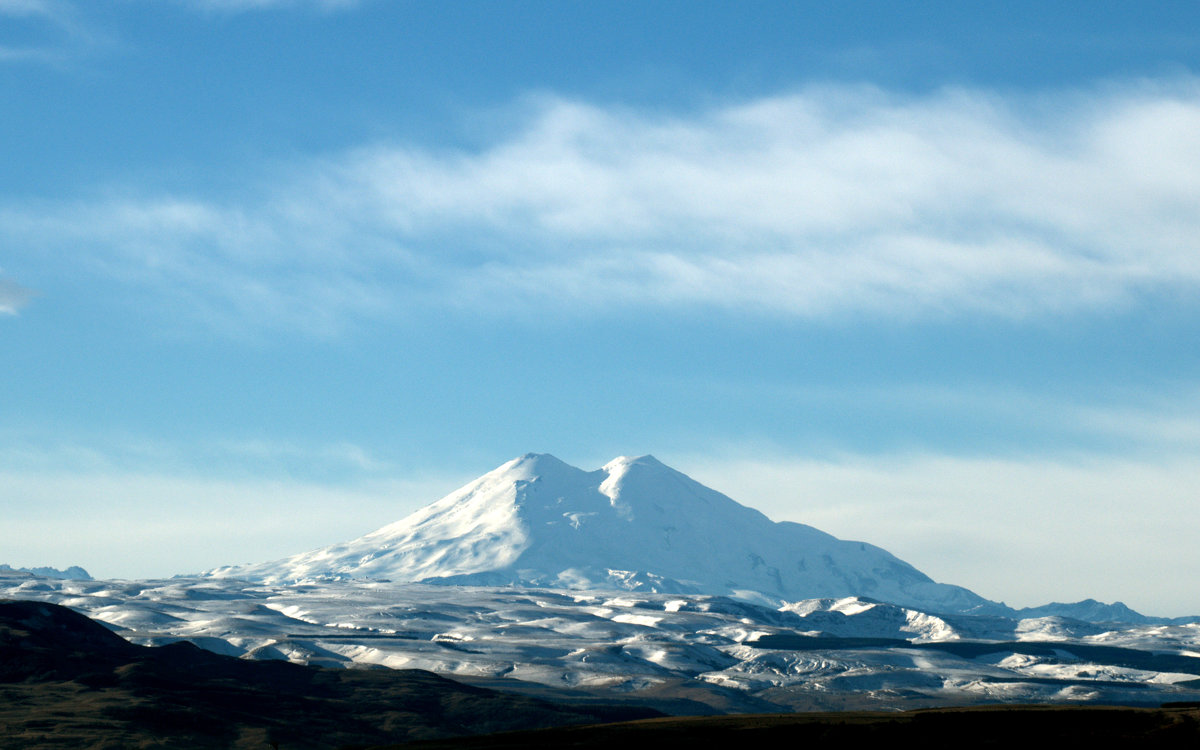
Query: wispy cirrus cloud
pixel 27 451
pixel 13 297
pixel 32 8
pixel 835 200
pixel 238 6
pixel 55 31
pixel 43 31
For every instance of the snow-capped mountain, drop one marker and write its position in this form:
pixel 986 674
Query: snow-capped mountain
pixel 634 582
pixel 634 524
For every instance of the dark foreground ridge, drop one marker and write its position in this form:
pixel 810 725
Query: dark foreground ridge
pixel 993 726
pixel 66 681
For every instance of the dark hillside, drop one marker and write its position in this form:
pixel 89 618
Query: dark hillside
pixel 66 681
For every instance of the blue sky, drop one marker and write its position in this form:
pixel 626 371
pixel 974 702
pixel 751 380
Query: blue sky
pixel 273 274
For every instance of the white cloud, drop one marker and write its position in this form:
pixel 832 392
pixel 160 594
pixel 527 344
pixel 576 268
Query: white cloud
pixel 825 202
pixel 13 297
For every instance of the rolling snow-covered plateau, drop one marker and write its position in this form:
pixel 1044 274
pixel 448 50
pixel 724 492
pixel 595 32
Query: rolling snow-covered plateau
pixel 634 582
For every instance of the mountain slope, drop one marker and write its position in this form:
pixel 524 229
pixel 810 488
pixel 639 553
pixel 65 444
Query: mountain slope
pixel 634 524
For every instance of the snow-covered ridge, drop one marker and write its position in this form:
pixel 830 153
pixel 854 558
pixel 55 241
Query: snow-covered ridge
pixel 805 655
pixel 635 524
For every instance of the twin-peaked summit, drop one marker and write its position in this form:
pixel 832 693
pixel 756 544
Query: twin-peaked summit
pixel 634 524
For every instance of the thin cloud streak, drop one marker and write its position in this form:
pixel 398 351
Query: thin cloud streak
pixel 13 297
pixel 30 8
pixel 58 29
pixel 342 461
pixel 242 6
pixel 65 29
pixel 1142 422
pixel 831 201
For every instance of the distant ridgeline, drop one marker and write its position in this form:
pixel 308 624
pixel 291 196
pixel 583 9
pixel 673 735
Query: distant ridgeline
pixel 73 573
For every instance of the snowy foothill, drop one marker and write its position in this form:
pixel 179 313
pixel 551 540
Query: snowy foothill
pixel 827 653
